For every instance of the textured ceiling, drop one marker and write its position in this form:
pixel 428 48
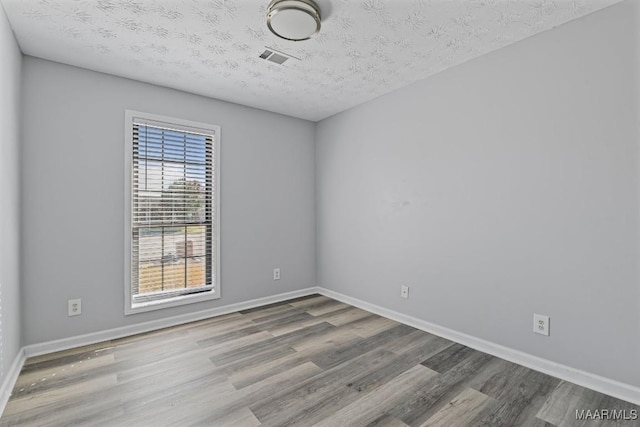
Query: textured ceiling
pixel 366 47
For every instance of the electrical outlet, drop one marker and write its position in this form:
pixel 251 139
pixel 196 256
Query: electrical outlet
pixel 404 292
pixel 276 274
pixel 75 307
pixel 541 324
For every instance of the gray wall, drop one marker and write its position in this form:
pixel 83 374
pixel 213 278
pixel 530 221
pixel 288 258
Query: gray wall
pixel 10 65
pixel 73 180
pixel 499 188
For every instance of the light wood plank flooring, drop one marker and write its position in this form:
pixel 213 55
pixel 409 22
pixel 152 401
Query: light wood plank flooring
pixel 311 361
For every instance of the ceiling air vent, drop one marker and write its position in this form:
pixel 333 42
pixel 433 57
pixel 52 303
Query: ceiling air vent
pixel 274 56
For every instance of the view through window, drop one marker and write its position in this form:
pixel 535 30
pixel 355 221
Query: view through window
pixel 172 212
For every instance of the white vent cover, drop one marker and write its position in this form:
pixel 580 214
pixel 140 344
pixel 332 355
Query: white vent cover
pixel 275 56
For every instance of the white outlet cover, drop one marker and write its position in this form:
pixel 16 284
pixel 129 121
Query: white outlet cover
pixel 541 324
pixel 276 274
pixel 404 292
pixel 75 307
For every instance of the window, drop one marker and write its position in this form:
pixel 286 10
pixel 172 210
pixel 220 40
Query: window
pixel 171 219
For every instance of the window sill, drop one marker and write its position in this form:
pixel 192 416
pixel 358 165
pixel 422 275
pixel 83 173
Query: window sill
pixel 170 302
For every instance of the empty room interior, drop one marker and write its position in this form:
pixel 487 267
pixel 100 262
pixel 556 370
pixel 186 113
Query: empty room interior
pixel 320 213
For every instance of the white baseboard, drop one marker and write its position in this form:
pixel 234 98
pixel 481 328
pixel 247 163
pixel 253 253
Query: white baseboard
pixel 10 379
pixel 600 384
pixel 124 331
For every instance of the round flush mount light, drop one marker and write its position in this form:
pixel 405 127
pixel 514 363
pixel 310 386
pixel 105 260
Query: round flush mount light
pixel 293 20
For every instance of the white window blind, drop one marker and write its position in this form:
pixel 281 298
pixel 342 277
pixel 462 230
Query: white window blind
pixel 173 212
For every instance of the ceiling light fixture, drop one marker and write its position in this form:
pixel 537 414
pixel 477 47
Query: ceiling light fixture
pixel 293 20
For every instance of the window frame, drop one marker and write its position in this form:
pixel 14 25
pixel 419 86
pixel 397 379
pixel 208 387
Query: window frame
pixel 178 124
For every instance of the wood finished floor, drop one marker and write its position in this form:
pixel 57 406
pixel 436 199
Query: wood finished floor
pixel 311 361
